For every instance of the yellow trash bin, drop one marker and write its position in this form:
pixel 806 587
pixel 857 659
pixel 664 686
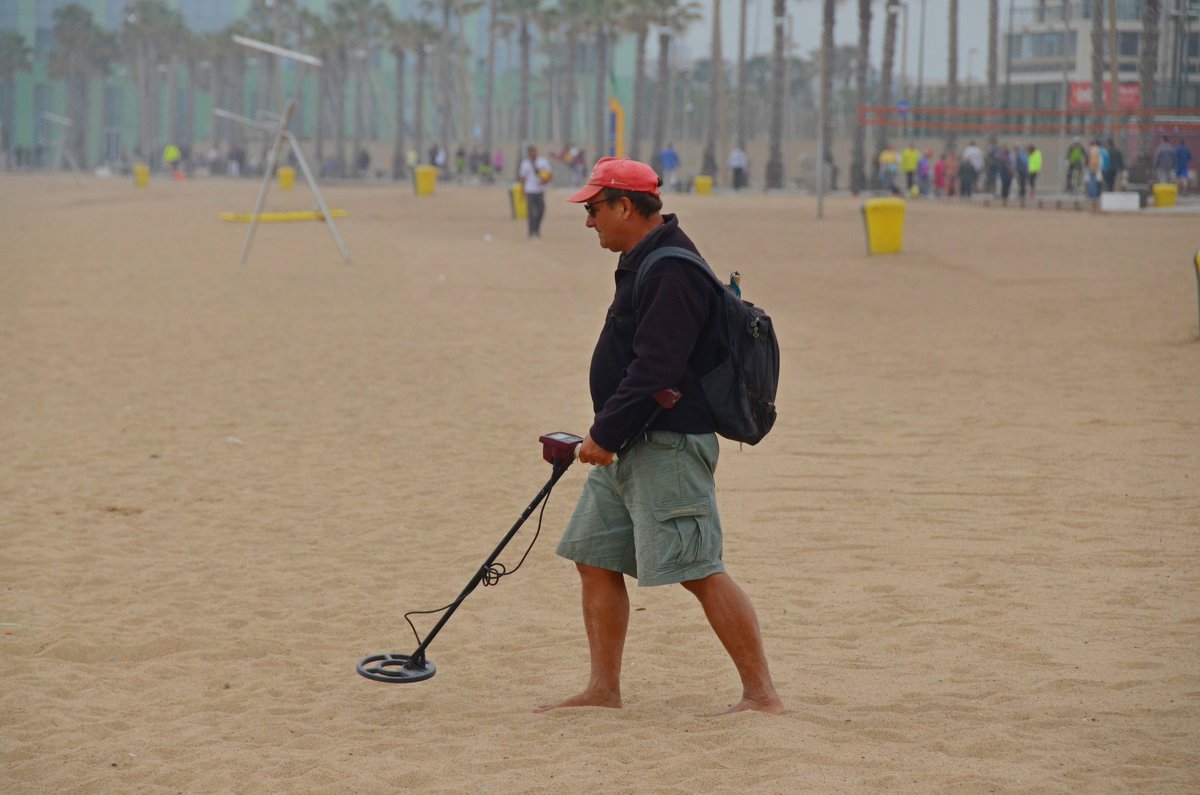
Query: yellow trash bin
pixel 287 177
pixel 703 184
pixel 517 202
pixel 1165 194
pixel 426 180
pixel 885 225
pixel 141 175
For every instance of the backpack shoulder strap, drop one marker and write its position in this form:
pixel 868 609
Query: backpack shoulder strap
pixel 666 252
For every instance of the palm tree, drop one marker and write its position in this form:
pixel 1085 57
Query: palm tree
pixel 82 50
pixel 1098 54
pixel 226 81
pixel 1148 69
pixel 774 178
pixel 521 13
pixel 952 68
pixel 150 27
pixel 360 19
pixel 641 15
pixel 400 39
pixel 828 61
pixel 14 59
pixel 858 173
pixel 675 17
pixel 740 79
pixel 451 12
pixel 601 18
pixel 993 91
pixel 887 67
pixel 716 79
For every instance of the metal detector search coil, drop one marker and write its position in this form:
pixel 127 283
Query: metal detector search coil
pixel 558 449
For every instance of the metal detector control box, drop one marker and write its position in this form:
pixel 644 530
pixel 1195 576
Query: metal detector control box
pixel 559 447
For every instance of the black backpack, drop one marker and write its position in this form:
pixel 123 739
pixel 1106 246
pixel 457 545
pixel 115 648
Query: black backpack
pixel 740 391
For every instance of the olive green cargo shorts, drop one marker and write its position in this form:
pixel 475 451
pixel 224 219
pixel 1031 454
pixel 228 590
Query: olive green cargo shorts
pixel 652 514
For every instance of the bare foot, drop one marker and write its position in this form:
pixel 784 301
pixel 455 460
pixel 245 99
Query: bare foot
pixel 584 699
pixel 771 706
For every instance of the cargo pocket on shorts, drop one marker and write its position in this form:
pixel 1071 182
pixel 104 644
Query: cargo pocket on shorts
pixel 686 530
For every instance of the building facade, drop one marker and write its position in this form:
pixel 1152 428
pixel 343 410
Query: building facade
pixel 1046 54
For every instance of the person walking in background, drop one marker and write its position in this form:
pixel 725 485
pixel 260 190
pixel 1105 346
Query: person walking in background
pixel 1035 168
pixel 1114 165
pixel 739 166
pixel 889 167
pixel 1095 169
pixel 1021 156
pixel 910 159
pixel 970 167
pixel 534 173
pixel 1164 162
pixel 940 176
pixel 1076 158
pixel 670 166
pixel 925 173
pixel 1183 160
pixel 1005 168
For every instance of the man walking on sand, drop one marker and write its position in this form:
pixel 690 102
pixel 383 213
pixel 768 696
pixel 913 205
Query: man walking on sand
pixel 652 515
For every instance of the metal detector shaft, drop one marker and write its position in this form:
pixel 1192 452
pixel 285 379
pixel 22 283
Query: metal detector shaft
pixel 560 468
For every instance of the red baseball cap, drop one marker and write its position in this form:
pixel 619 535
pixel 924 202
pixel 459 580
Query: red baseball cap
pixel 619 173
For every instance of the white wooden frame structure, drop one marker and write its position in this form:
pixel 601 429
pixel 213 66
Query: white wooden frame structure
pixel 280 132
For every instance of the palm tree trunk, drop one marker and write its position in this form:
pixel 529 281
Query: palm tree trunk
pixel 601 104
pixel 339 115
pixel 399 162
pixel 567 119
pixel 443 99
pixel 827 68
pixel 774 176
pixel 709 166
pixel 321 119
pixel 952 70
pixel 639 94
pixel 189 110
pixel 993 90
pixel 419 104
pixel 780 12
pixel 1148 72
pixel 887 68
pixel 858 172
pixel 360 73
pixel 489 94
pixel 172 103
pixel 523 110
pixel 1098 54
pixel 662 98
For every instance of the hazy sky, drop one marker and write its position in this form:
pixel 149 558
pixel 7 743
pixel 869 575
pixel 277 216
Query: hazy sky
pixel 806 32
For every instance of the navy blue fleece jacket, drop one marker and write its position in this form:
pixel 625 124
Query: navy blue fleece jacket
pixel 670 342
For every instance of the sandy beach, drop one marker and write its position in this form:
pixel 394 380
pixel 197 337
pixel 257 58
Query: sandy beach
pixel 973 538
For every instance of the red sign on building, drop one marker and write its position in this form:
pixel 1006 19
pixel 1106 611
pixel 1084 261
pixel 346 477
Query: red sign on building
pixel 1129 96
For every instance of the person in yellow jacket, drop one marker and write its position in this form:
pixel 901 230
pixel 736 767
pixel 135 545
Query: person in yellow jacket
pixel 1035 168
pixel 910 160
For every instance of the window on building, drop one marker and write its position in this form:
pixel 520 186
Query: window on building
pixel 1129 44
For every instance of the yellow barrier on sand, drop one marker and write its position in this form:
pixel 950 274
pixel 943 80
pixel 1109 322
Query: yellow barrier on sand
pixel 292 215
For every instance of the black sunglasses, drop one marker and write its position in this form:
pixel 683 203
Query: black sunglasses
pixel 591 206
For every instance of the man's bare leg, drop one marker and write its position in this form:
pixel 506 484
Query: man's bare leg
pixel 732 617
pixel 606 619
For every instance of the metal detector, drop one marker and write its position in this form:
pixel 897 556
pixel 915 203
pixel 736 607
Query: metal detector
pixel 61 150
pixel 559 449
pixel 280 131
